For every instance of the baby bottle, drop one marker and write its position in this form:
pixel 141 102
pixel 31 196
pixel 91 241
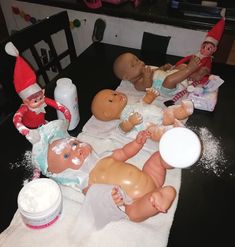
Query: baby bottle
pixel 180 147
pixel 66 93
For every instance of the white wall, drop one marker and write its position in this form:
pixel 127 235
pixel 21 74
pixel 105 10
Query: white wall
pixel 124 32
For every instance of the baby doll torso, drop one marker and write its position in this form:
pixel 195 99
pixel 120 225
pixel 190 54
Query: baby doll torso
pixel 149 113
pixel 132 180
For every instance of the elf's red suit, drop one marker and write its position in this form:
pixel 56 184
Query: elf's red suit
pixel 25 119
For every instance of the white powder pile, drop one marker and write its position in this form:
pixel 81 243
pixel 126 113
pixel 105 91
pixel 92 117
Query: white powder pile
pixel 212 159
pixel 26 161
pixel 38 195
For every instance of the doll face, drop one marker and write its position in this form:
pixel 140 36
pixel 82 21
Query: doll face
pixel 130 67
pixel 67 153
pixel 35 100
pixel 207 49
pixel 108 104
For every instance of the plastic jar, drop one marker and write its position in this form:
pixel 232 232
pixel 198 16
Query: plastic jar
pixel 66 94
pixel 180 147
pixel 40 203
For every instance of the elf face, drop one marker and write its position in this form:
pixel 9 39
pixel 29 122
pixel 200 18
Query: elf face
pixel 36 100
pixel 207 49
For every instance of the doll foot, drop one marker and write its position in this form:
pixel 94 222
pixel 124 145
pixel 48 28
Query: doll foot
pixel 162 199
pixel 169 103
pixel 156 132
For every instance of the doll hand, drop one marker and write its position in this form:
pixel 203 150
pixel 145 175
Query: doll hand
pixel 33 136
pixel 117 197
pixel 147 73
pixel 135 118
pixel 151 95
pixel 142 137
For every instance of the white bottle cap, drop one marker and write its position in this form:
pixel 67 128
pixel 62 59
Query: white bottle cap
pixel 63 82
pixel 180 147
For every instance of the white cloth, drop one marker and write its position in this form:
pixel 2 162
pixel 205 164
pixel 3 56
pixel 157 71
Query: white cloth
pixel 124 233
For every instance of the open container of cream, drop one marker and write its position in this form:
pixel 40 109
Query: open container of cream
pixel 40 203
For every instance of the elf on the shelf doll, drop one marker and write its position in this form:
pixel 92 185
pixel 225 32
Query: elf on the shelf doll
pixel 31 113
pixel 207 49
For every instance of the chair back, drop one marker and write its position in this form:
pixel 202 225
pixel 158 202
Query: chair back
pixel 47 46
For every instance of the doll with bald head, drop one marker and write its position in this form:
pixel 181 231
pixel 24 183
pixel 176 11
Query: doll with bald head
pixel 108 105
pixel 165 79
pixel 142 192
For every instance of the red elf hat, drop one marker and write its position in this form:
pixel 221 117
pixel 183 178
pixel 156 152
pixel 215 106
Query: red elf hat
pixel 24 77
pixel 215 34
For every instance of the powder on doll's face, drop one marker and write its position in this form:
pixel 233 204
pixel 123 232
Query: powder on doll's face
pixel 76 161
pixel 212 158
pixel 62 144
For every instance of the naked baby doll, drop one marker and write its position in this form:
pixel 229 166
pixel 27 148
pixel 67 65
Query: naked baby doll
pixel 71 162
pixel 164 79
pixel 108 105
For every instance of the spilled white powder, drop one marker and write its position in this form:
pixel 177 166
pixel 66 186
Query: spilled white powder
pixel 38 195
pixel 25 161
pixel 212 159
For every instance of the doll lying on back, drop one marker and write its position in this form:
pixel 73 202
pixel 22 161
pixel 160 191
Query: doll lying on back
pixel 108 105
pixel 164 79
pixel 70 162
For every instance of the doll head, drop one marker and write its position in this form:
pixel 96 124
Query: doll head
pixel 128 67
pixel 35 100
pixel 62 157
pixel 108 104
pixel 208 49
pixel 67 153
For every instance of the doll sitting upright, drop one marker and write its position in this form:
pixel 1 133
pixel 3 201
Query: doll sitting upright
pixel 31 113
pixel 108 105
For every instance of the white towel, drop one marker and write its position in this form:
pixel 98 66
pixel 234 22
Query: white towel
pixel 124 233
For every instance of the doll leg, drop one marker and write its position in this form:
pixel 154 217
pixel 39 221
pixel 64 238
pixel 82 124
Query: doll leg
pixel 151 204
pixel 173 79
pixel 155 167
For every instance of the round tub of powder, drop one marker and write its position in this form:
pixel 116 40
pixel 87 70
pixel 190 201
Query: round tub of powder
pixel 180 147
pixel 40 203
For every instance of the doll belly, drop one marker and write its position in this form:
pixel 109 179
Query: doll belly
pixel 132 180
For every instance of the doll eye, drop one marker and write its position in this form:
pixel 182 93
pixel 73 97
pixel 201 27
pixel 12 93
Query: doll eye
pixel 74 144
pixel 66 156
pixel 110 100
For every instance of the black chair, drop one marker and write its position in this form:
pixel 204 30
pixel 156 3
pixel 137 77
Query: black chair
pixel 37 42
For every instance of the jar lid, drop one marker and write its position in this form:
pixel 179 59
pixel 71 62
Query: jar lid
pixel 38 195
pixel 180 147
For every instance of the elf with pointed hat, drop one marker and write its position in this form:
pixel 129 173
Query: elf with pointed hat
pixel 207 49
pixel 31 113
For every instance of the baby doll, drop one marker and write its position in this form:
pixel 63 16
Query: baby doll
pixel 108 105
pixel 71 162
pixel 164 79
pixel 31 113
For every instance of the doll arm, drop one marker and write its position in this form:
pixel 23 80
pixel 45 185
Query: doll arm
pixel 32 135
pixel 17 120
pixel 184 60
pixel 145 80
pixel 59 107
pixel 128 124
pixel 131 148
